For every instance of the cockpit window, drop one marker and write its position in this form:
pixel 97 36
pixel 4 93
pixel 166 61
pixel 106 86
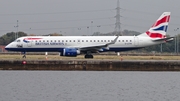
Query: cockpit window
pixel 18 40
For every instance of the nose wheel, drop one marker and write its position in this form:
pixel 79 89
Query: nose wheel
pixel 24 54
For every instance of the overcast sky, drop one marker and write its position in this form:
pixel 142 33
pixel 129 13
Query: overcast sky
pixel 81 17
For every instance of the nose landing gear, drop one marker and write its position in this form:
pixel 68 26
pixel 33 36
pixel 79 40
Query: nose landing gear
pixel 24 54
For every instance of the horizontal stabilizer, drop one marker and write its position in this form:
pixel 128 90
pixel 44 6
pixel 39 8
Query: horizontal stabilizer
pixel 164 39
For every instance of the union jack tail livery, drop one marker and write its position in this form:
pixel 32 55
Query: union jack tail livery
pixel 159 28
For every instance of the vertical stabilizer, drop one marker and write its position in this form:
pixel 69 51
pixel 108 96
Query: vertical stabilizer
pixel 159 28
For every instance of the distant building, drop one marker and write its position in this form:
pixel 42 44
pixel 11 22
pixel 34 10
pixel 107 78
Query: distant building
pixel 2 49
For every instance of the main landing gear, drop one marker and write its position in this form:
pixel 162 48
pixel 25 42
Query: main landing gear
pixel 88 55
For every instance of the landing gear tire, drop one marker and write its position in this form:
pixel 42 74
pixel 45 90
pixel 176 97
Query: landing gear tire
pixel 88 56
pixel 91 56
pixel 24 55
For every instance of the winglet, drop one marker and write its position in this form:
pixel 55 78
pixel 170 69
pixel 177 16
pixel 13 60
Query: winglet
pixel 114 41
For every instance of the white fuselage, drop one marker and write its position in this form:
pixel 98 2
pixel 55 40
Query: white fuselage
pixel 58 43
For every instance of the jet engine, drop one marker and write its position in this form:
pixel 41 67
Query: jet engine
pixel 71 52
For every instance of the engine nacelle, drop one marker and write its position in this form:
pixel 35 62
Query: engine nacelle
pixel 72 52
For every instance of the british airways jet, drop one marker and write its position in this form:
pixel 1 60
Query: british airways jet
pixel 74 45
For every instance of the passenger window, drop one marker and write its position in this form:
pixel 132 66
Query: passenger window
pixel 58 40
pixel 104 40
pixel 101 40
pixel 66 40
pixel 69 40
pixel 122 40
pixel 86 40
pixel 98 40
pixel 47 40
pixel 62 40
pixel 74 40
pixel 90 40
pixel 94 40
pixel 82 40
pixel 119 40
pixel 126 40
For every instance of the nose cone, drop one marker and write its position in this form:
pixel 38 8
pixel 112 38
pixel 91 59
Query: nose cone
pixel 7 47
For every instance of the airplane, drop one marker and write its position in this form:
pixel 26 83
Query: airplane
pixel 72 46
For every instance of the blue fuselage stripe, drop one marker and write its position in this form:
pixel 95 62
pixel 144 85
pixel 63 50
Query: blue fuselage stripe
pixel 61 49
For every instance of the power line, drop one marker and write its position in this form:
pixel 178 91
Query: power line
pixel 48 13
pixel 145 12
pixel 71 27
pixel 61 21
pixel 140 12
pixel 59 28
pixel 127 10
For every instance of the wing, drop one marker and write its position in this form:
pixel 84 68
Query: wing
pixel 99 47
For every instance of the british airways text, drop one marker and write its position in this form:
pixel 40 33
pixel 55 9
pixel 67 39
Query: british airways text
pixel 52 43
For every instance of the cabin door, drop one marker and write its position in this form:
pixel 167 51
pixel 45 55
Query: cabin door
pixel 136 41
pixel 29 43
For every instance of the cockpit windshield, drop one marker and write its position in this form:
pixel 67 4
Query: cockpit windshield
pixel 17 40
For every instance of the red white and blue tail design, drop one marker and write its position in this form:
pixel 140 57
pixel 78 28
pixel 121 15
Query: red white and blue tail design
pixel 159 28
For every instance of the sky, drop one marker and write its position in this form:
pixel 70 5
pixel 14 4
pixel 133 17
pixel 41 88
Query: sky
pixel 83 17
